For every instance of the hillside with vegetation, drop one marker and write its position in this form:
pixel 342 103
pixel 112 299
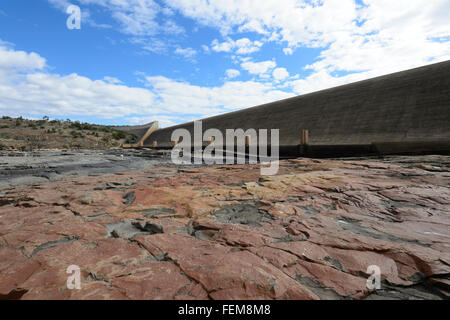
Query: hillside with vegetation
pixel 27 135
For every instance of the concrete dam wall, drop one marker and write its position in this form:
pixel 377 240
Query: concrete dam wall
pixel 404 112
pixel 139 131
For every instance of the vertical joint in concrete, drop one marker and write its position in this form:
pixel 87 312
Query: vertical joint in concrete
pixel 305 138
pixel 247 141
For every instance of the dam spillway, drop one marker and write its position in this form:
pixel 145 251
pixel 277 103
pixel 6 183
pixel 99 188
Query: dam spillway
pixel 405 112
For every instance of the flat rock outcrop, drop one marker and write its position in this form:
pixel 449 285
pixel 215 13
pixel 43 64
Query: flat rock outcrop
pixel 225 232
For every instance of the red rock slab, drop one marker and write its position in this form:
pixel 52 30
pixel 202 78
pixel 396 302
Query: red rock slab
pixel 226 273
pixel 29 228
pixel 230 234
pixel 99 261
pixel 89 291
pixel 325 222
pixel 344 284
pixel 357 263
pixel 159 281
pixel 15 269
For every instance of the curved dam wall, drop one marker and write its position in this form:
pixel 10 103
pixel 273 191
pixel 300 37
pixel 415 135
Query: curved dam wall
pixel 139 131
pixel 409 107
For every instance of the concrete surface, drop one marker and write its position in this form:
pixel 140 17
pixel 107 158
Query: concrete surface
pixel 407 107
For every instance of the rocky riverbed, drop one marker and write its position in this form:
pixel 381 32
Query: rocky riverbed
pixel 33 168
pixel 140 227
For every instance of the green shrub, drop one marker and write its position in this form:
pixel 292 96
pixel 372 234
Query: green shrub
pixel 82 126
pixel 74 134
pixel 118 135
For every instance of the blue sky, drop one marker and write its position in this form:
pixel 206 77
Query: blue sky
pixel 177 60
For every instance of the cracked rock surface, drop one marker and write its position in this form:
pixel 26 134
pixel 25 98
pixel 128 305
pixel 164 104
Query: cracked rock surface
pixel 225 232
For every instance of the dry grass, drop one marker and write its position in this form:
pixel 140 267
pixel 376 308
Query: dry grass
pixel 23 134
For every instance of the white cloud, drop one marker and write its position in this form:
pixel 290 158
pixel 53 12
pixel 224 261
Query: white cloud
pixel 288 51
pixel 167 11
pixel 206 49
pixel 60 4
pixel 246 46
pixel 42 93
pixel 378 35
pixel 373 38
pixel 163 120
pixel 396 35
pixel 258 68
pixel 112 80
pixel 186 52
pixel 232 73
pixel 180 97
pixel 26 89
pixel 280 74
pixel 151 44
pixel 136 17
pixel 242 46
pixel 85 13
pixel 323 80
pixel 222 47
pixel 19 60
pixel 295 21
